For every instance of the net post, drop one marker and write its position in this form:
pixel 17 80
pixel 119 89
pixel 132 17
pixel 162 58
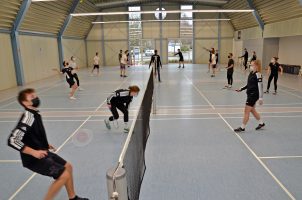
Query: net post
pixel 117 184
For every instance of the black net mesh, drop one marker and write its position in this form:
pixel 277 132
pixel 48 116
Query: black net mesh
pixel 134 160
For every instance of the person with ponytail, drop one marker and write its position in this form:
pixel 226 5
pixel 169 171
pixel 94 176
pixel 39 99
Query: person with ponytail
pixel 120 99
pixel 254 91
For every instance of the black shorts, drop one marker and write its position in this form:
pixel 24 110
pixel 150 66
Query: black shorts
pixel 123 66
pixel 70 81
pixel 181 60
pixel 52 165
pixel 251 101
pixel 96 67
pixel 214 66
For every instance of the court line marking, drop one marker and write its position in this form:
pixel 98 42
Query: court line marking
pixel 280 157
pixel 38 92
pixel 247 146
pixel 60 147
pixel 10 161
pixel 158 119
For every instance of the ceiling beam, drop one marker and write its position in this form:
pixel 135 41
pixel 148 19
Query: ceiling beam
pixel 114 4
pixel 256 14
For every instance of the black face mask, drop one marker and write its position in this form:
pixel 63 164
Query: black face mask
pixel 36 102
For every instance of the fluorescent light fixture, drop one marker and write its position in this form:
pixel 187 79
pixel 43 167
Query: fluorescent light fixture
pixel 144 21
pixel 158 11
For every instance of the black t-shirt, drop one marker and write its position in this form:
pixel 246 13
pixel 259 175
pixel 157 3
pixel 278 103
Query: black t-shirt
pixel 181 57
pixel 68 71
pixel 274 68
pixel 231 62
pixel 29 132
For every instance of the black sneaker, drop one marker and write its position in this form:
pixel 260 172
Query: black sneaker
pixel 179 67
pixel 79 198
pixel 125 76
pixel 266 92
pixel 238 130
pixel 260 126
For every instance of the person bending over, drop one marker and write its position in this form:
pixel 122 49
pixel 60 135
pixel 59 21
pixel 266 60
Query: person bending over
pixel 120 99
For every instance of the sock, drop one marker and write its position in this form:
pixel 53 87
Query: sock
pixel 260 121
pixel 243 126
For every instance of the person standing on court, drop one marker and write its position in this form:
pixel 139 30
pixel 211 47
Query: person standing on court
pixel 254 57
pixel 120 55
pixel 69 78
pixel 124 62
pixel 213 63
pixel 181 58
pixel 121 99
pixel 217 57
pixel 96 64
pixel 230 71
pixel 245 56
pixel 254 91
pixel 272 71
pixel 155 60
pixel 210 59
pixel 29 138
pixel 74 66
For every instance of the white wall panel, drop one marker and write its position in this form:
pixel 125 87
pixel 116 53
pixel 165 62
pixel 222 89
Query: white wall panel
pixel 75 48
pixel 92 48
pixel 290 49
pixel 112 50
pixel 7 68
pixel 39 56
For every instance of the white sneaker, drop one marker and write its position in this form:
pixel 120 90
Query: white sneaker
pixel 72 98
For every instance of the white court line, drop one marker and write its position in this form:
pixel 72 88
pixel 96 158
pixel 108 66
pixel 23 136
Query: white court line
pixel 298 96
pixel 247 146
pixel 39 92
pixel 10 161
pixel 280 157
pixel 60 147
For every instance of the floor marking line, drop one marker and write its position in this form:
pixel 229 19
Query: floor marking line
pixel 10 161
pixel 248 147
pixel 280 157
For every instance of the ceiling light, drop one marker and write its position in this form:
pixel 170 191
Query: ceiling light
pixel 143 21
pixel 158 11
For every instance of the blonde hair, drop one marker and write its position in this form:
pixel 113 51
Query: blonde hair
pixel 258 64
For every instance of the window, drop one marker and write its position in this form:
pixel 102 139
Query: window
pixel 186 21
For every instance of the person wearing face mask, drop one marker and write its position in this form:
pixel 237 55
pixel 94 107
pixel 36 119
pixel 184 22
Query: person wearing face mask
pixel 120 99
pixel 272 71
pixel 230 71
pixel 246 57
pixel 74 66
pixel 29 138
pixel 69 78
pixel 254 91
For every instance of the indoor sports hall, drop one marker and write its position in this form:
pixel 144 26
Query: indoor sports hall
pixel 150 99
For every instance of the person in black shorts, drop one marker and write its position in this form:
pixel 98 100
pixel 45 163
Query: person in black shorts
pixel 96 64
pixel 181 58
pixel 120 99
pixel 74 66
pixel 155 59
pixel 230 71
pixel 246 57
pixel 273 69
pixel 69 78
pixel 29 138
pixel 254 91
